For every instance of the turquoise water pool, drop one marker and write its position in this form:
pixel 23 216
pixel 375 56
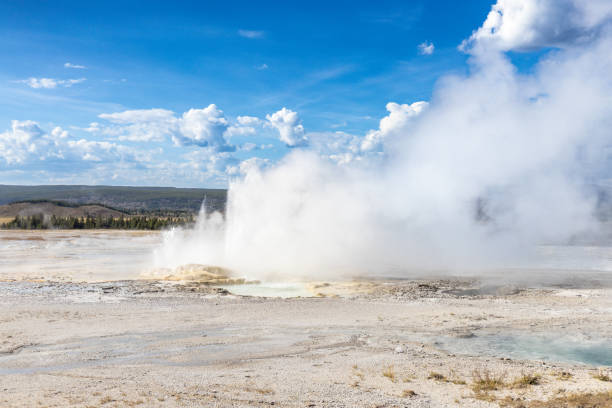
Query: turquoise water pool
pixel 533 347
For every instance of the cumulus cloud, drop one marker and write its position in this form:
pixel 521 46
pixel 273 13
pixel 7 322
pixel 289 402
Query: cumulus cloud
pixel 289 127
pixel 426 48
pixel 74 66
pixel 26 143
pixel 239 130
pixel 50 83
pixel 21 140
pixel 253 34
pixel 59 133
pixel 248 120
pixel 530 24
pixel 89 150
pixel 138 116
pixel 140 125
pixel 56 155
pixel 398 121
pixel 204 127
pixel 338 147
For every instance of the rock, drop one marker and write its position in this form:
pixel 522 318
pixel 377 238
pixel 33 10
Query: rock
pixel 465 335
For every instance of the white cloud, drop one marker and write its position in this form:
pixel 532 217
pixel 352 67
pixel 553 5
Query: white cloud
pixel 206 127
pixel 240 131
pixel 245 126
pixel 530 24
pixel 397 121
pixel 141 125
pixel 248 120
pixel 70 82
pixel 49 83
pixel 138 115
pixel 247 147
pixel 248 166
pixel 20 141
pixel 26 142
pixel 262 67
pixel 55 156
pixel 426 48
pixel 59 133
pixel 203 127
pixel 253 34
pixel 95 151
pixel 289 127
pixel 74 66
pixel 25 146
pixel 339 147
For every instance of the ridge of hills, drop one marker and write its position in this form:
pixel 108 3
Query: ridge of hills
pixel 106 199
pixel 50 208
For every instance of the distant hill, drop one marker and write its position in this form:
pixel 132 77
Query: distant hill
pixel 129 199
pixel 28 209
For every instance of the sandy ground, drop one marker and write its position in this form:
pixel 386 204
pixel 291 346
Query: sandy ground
pixel 394 343
pixel 167 344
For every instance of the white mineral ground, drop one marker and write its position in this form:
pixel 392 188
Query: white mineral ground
pixel 79 327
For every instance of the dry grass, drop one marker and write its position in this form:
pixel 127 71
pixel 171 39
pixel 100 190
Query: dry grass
pixel 526 380
pixel 451 378
pixel 264 391
pixel 261 391
pixel 132 403
pixel 563 375
pixel 588 400
pixel 602 376
pixel 389 372
pixel 436 376
pixel 408 378
pixel 408 394
pixel 359 374
pixel 4 220
pixel 484 381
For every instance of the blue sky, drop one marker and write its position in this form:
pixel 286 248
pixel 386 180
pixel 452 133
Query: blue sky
pixel 335 64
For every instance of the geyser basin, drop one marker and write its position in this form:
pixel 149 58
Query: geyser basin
pixel 545 347
pixel 271 289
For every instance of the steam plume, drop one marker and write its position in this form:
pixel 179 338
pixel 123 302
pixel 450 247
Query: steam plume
pixel 496 164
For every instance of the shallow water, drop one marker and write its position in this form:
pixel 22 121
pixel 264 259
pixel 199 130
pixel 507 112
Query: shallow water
pixel 97 255
pixel 75 255
pixel 545 347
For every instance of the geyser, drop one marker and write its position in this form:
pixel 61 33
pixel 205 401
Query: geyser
pixel 497 163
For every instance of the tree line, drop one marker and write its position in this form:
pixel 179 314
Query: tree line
pixel 41 221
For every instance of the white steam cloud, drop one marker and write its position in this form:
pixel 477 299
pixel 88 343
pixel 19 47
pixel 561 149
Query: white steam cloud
pixel 496 164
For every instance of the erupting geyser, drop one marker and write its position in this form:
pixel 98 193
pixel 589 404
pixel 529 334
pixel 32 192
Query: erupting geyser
pixel 498 162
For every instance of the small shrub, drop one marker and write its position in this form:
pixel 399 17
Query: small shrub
pixel 453 378
pixel 408 393
pixel 487 381
pixel 389 372
pixel 564 375
pixel 527 380
pixel 436 376
pixel 601 376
